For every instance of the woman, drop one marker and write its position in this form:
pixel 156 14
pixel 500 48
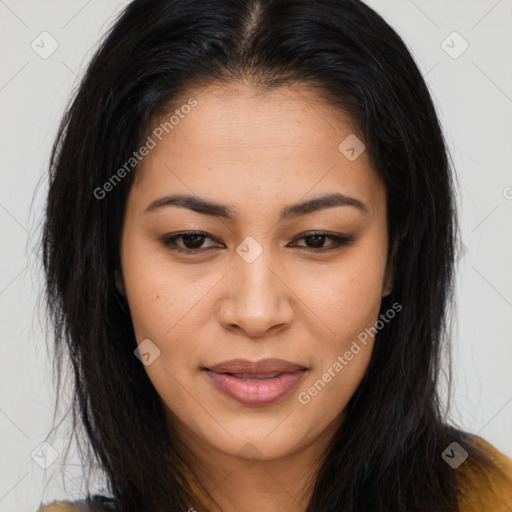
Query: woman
pixel 249 247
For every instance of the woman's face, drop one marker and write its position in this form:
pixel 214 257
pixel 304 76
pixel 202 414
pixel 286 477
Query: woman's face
pixel 258 283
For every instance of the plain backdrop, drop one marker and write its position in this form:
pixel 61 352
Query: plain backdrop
pixel 469 74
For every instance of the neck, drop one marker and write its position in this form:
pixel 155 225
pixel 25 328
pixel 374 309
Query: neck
pixel 251 482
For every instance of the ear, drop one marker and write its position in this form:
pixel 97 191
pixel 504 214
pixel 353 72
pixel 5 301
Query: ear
pixel 389 277
pixel 118 277
pixel 390 274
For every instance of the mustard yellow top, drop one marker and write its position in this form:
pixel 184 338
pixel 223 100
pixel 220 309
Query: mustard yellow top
pixel 475 494
pixel 494 494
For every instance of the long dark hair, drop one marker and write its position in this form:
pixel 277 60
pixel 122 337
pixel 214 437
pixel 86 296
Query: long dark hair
pixel 387 454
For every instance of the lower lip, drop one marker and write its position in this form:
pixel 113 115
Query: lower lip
pixel 257 391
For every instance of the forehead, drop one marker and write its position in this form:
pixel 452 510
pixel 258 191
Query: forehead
pixel 241 115
pixel 241 138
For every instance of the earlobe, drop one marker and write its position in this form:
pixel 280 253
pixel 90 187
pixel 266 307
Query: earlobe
pixel 390 273
pixel 387 290
pixel 119 282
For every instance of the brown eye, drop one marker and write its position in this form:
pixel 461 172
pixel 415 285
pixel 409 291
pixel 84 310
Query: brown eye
pixel 316 241
pixel 191 242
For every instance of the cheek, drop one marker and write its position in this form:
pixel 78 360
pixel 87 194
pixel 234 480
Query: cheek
pixel 348 301
pixel 346 296
pixel 159 294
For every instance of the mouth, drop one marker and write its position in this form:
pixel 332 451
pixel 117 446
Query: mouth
pixel 252 376
pixel 255 383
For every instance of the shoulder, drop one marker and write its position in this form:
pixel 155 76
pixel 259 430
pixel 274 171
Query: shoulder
pixel 97 504
pixel 62 506
pixel 481 488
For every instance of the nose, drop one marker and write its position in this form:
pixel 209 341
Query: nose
pixel 257 299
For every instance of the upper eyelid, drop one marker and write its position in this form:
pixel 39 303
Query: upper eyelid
pixel 300 235
pixel 304 234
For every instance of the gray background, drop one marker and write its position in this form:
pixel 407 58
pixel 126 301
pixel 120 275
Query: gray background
pixel 473 94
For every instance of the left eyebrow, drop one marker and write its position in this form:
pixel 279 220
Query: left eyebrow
pixel 207 207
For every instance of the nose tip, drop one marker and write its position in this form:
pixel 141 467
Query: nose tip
pixel 257 302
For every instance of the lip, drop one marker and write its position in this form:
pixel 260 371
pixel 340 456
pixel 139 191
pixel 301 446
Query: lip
pixel 255 383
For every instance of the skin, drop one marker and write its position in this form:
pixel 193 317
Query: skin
pixel 255 153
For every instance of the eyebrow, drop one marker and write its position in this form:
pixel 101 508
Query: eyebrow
pixel 213 209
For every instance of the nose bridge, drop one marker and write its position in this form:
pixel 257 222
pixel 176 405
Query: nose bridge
pixel 253 273
pixel 258 300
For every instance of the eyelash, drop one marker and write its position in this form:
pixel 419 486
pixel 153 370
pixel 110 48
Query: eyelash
pixel 338 241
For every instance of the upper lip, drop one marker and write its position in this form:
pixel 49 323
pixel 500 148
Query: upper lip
pixel 256 367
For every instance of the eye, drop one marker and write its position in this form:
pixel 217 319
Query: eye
pixel 317 239
pixel 192 241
